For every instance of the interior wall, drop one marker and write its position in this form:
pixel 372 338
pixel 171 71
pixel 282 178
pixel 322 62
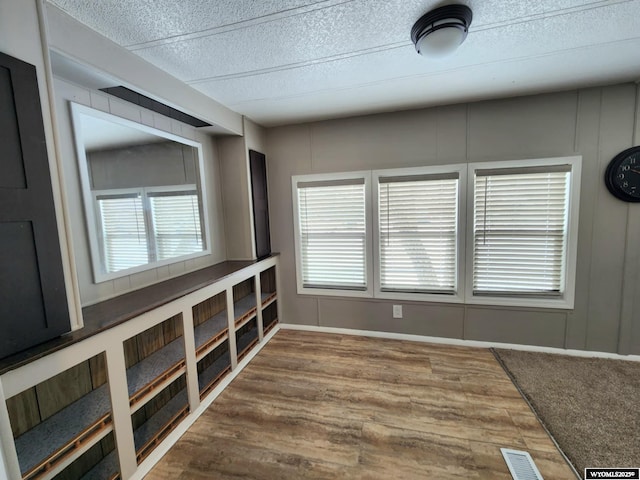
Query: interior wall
pixel 596 123
pixel 161 164
pixel 91 292
pixel 236 189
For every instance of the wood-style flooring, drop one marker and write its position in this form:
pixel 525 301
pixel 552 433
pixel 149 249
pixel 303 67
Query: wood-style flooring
pixel 324 406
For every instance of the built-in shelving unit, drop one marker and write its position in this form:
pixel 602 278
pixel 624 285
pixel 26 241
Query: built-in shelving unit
pixel 134 381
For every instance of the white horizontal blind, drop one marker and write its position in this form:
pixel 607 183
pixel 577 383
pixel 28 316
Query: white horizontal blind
pixel 418 230
pixel 332 234
pixel 520 231
pixel 176 223
pixel 123 231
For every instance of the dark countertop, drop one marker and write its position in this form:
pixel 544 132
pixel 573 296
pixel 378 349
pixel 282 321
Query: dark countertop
pixel 112 312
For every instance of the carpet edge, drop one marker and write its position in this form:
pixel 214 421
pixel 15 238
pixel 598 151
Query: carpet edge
pixel 496 355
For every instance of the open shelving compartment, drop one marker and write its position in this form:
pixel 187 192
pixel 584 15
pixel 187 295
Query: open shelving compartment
pixel 154 358
pixel 246 337
pixel 245 312
pixel 244 302
pixel 156 378
pixel 56 421
pixel 269 316
pixel 211 326
pixel 158 417
pixel 211 333
pixel 268 286
pixel 213 367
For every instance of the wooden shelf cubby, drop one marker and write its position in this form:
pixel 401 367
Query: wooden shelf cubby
pixel 154 358
pixel 268 286
pixel 270 316
pixel 55 421
pixel 244 302
pixel 211 325
pixel 213 367
pixel 159 417
pixel 246 338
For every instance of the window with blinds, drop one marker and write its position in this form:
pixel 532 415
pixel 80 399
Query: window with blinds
pixel 147 225
pixel 124 233
pixel 417 225
pixel 175 223
pixel 332 234
pixel 520 231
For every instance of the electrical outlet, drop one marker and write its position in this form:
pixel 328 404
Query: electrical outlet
pixel 397 311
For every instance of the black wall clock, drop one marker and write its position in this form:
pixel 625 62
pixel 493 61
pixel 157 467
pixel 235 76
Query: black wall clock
pixel 623 175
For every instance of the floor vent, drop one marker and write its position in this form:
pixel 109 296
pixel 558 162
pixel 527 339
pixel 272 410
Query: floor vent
pixel 521 465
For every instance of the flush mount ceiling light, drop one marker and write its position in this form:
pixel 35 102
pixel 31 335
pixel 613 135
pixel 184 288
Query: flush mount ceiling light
pixel 440 32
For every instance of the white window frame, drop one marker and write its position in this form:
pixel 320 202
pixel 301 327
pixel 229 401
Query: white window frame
pixel 461 171
pixel 566 299
pixel 368 271
pixel 465 236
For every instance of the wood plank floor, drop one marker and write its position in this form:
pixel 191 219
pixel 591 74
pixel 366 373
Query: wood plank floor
pixel 323 406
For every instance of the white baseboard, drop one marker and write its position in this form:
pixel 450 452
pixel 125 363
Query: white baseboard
pixel 459 342
pixel 145 467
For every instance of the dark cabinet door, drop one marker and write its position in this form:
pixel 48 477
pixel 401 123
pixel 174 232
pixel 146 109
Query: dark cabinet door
pixel 33 303
pixel 258 166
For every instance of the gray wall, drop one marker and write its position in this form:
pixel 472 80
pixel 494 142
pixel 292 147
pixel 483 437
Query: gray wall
pixel 236 189
pixel 91 292
pixel 595 123
pixel 150 165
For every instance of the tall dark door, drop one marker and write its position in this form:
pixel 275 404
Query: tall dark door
pixel 258 165
pixel 33 304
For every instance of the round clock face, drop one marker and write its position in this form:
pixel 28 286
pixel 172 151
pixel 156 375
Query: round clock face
pixel 623 175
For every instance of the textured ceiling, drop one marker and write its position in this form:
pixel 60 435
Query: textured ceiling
pixel 285 61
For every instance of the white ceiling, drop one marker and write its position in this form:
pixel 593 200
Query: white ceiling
pixel 286 61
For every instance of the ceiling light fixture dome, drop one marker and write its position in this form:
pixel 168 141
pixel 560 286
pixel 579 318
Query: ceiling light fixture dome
pixel 440 32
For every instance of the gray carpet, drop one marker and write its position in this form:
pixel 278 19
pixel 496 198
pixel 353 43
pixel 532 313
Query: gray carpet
pixel 591 406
